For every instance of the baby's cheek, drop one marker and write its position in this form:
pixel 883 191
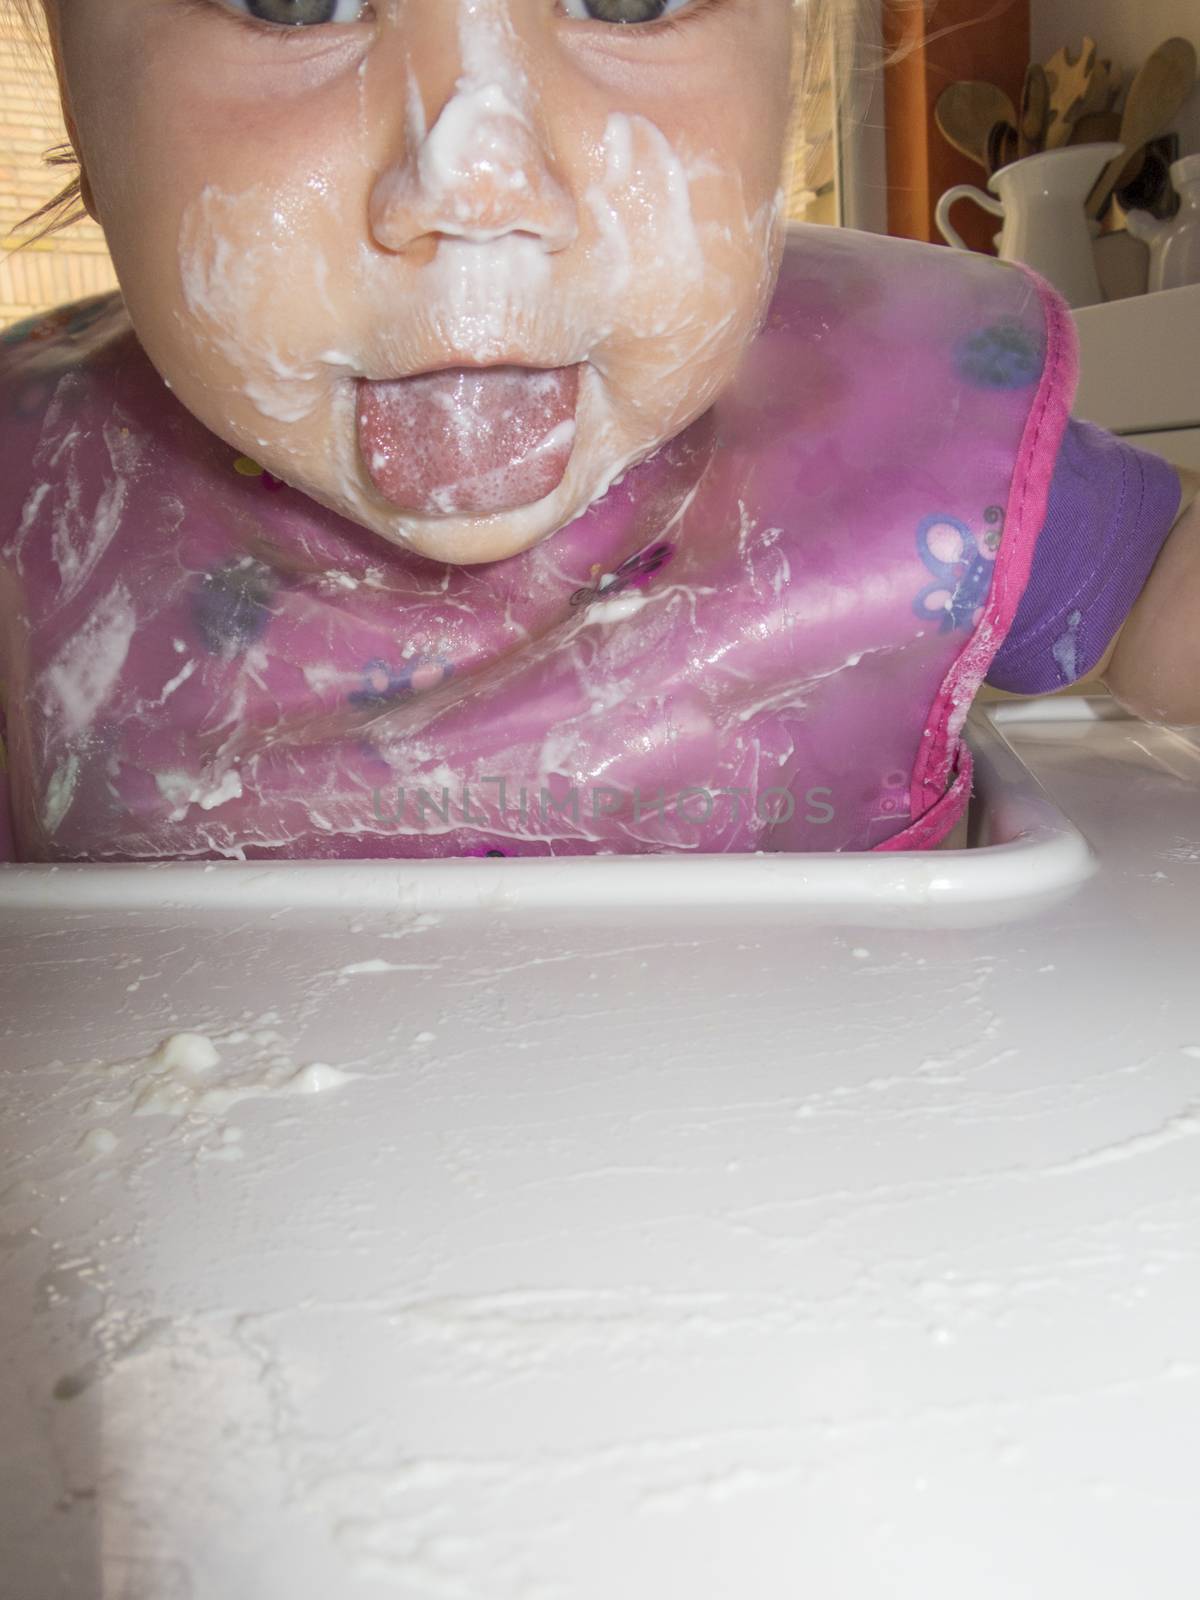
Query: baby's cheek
pixel 259 281
pixel 690 333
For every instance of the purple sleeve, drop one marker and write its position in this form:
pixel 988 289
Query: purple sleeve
pixel 1111 507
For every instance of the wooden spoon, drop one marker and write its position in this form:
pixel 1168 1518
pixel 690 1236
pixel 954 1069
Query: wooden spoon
pixel 1098 127
pixel 1156 94
pixel 1104 127
pixel 1035 110
pixel 1069 78
pixel 966 112
pixel 1103 91
pixel 1002 145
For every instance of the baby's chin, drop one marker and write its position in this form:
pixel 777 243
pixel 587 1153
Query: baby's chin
pixel 466 540
pixel 614 432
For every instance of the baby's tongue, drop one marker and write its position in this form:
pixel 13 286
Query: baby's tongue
pixel 468 440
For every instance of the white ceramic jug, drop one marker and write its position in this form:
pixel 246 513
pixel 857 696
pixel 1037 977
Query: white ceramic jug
pixel 1045 226
pixel 1174 245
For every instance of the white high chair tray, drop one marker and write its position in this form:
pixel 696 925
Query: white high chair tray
pixel 1028 848
pixel 525 1243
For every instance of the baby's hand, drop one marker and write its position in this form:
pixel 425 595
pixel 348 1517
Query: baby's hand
pixel 1154 667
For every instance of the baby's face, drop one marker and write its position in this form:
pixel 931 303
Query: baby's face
pixel 448 266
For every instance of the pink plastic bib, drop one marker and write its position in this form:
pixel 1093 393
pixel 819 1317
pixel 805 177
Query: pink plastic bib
pixel 766 637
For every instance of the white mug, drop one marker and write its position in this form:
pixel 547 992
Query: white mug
pixel 1042 203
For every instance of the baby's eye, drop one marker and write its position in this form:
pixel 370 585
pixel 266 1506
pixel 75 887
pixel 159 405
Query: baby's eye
pixel 621 10
pixel 300 13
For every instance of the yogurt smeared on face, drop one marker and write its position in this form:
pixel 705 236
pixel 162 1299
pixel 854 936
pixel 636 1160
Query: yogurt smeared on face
pixel 447 191
pixel 468 440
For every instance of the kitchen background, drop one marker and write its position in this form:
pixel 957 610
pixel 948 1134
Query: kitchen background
pixel 958 39
pixel 1128 31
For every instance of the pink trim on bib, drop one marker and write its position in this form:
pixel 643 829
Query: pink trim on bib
pixel 1025 516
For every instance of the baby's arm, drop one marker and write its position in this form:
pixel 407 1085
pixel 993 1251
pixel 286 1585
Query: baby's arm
pixel 1153 665
pixel 1109 603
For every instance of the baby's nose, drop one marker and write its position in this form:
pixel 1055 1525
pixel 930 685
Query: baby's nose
pixel 481 172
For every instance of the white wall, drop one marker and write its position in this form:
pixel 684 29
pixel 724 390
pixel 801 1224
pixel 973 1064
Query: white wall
pixel 1126 31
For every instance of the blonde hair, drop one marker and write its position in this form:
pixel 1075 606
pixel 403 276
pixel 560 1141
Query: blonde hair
pixel 828 34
